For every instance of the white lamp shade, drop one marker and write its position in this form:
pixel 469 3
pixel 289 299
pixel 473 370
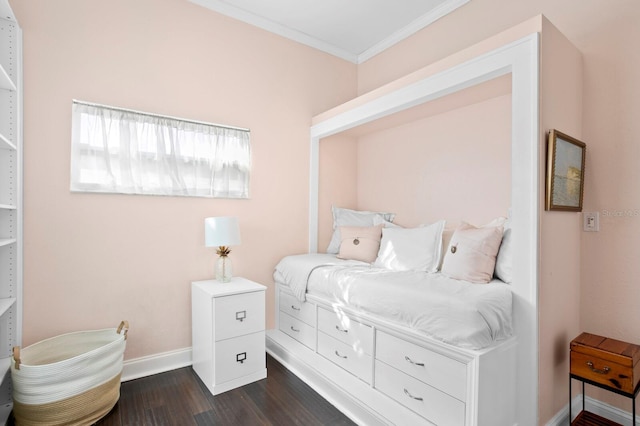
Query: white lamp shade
pixel 221 231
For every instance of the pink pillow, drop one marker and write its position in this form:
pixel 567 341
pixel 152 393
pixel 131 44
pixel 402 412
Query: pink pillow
pixel 471 255
pixel 360 243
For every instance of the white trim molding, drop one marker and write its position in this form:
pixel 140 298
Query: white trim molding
pixel 155 364
pixel 594 406
pixel 266 24
pixel 276 28
pixel 415 26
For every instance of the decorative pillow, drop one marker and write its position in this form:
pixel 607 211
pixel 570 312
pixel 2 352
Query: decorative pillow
pixel 447 233
pixel 471 255
pixel 504 261
pixel 360 243
pixel 346 217
pixel 411 249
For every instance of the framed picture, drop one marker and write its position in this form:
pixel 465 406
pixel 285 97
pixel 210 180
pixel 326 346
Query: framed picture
pixel 565 172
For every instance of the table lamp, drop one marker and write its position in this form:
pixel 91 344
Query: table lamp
pixel 222 232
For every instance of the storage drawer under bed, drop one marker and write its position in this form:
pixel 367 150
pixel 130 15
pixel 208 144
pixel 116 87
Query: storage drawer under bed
pixel 303 311
pixel 439 371
pixel 353 333
pixel 299 330
pixel 436 406
pixel 355 362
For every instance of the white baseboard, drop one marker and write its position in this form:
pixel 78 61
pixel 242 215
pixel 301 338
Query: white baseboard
pixel 157 363
pixel 594 406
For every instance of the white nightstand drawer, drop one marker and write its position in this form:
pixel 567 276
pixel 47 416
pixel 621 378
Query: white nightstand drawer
pixel 239 357
pixel 434 369
pixel 435 406
pixel 239 314
pixel 304 311
pixel 355 362
pixel 297 329
pixel 347 330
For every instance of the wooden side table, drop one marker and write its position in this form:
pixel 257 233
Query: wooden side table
pixel 228 333
pixel 605 363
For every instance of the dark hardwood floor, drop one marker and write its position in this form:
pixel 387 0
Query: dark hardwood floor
pixel 180 398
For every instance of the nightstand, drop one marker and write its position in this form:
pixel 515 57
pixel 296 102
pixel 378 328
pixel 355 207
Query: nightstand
pixel 608 364
pixel 228 333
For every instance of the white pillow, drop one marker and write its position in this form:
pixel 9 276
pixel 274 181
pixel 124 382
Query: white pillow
pixel 347 217
pixel 471 255
pixel 504 261
pixel 411 249
pixel 379 220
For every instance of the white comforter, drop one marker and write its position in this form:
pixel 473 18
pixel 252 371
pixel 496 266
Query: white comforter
pixel 457 312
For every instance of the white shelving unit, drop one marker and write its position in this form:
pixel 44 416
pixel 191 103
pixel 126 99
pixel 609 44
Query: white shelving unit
pixel 10 198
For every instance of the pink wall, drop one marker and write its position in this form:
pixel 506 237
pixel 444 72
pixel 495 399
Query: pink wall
pixel 559 284
pixel 92 260
pixel 420 170
pixel 610 288
pixel 338 182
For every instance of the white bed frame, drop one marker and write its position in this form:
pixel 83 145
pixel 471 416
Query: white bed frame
pixel 470 387
pixel 363 402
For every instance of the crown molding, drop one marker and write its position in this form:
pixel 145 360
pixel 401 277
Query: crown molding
pixel 421 22
pixel 273 27
pixel 415 26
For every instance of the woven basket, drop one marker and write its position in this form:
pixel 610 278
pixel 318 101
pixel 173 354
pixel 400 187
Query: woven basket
pixel 71 379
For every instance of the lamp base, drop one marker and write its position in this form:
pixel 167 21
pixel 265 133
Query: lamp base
pixel 223 269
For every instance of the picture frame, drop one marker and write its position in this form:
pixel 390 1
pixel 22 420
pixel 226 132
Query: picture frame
pixel 565 172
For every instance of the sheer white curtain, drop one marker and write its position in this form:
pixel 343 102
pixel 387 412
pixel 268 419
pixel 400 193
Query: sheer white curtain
pixel 122 151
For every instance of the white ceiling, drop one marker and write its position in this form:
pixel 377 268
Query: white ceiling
pixel 355 30
pixel 5 10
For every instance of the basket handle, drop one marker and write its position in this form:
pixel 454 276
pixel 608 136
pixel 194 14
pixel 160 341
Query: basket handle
pixel 16 356
pixel 123 324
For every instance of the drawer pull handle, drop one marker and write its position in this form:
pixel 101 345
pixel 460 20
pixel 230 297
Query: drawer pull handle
pixel 419 364
pixel 341 356
pixel 341 330
pixel 295 308
pixel 241 315
pixel 295 330
pixel 417 398
pixel 605 370
pixel 241 357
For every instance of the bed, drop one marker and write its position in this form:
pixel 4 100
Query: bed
pixel 485 379
pixel 396 337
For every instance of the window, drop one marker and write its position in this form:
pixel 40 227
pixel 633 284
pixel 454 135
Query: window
pixel 129 152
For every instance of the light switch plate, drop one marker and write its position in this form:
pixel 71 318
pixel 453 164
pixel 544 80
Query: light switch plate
pixel 591 221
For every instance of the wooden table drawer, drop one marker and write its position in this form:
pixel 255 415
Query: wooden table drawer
pixel 304 311
pixel 299 330
pixel 239 314
pixel 609 362
pixel 436 406
pixel 445 374
pixel 339 326
pixel 602 371
pixel 355 362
